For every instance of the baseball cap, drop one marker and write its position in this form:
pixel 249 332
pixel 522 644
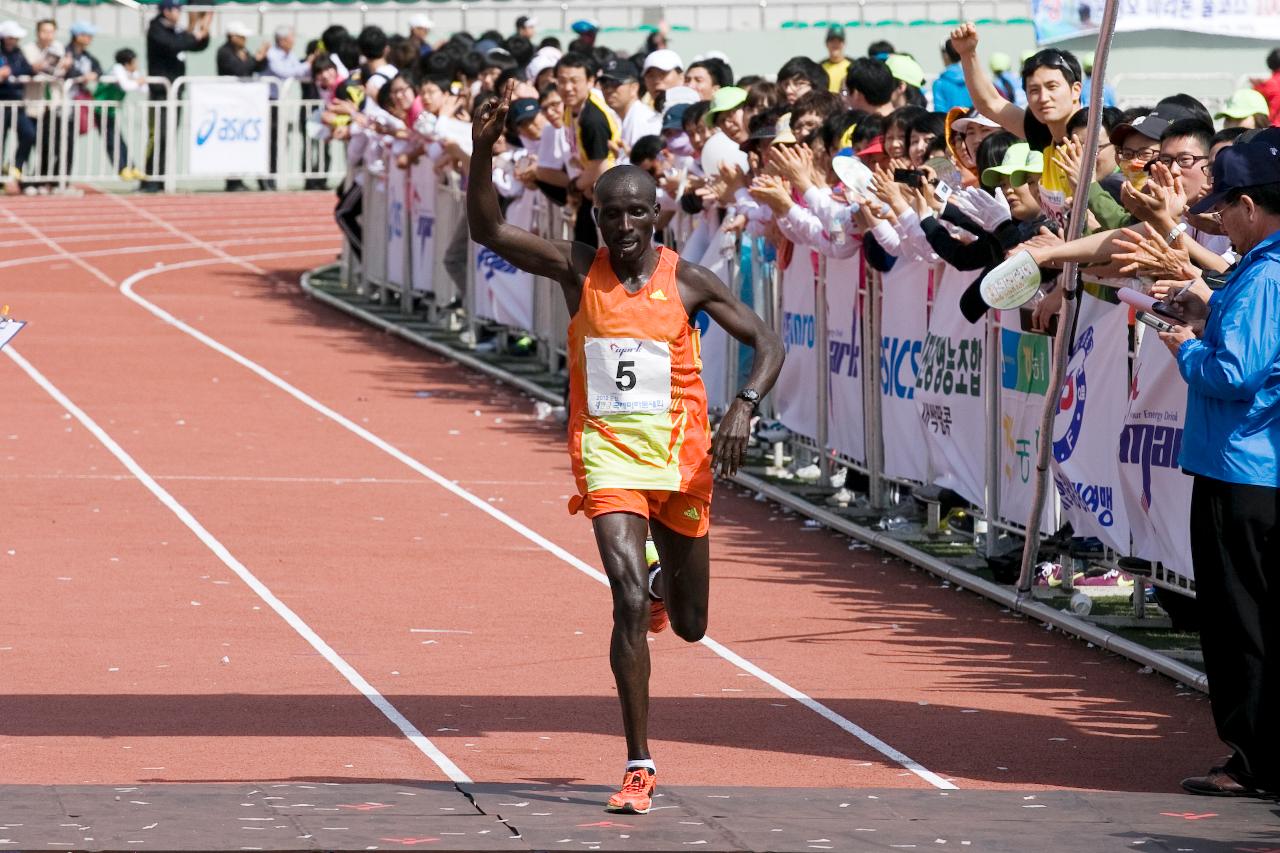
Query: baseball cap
pixel 1244 103
pixel 681 95
pixel 664 60
pixel 1000 62
pixel 725 99
pixel 765 133
pixel 836 32
pixel 620 70
pixel 1086 62
pixel 673 118
pixel 1019 161
pixel 974 117
pixel 11 30
pixel 1152 125
pixel 420 21
pixel 522 109
pixel 584 26
pixel 1245 164
pixel 170 4
pixel 238 28
pixel 906 69
pixel 83 28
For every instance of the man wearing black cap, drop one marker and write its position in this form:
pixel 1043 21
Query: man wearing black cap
pixel 836 64
pixel 620 82
pixel 167 41
pixel 1232 449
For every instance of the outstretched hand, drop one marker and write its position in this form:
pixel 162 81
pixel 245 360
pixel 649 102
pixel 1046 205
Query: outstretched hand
pixel 490 120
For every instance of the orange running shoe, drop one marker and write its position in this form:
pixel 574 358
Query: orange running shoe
pixel 636 795
pixel 658 619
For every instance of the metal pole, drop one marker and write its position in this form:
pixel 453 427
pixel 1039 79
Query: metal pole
pixel 871 393
pixel 1070 302
pixel 995 335
pixel 824 366
pixel 407 223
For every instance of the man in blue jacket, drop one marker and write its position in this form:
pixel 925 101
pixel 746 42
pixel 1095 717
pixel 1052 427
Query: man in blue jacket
pixel 949 89
pixel 13 65
pixel 1231 447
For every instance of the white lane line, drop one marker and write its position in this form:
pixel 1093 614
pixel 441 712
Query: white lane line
pixel 354 678
pixel 141 250
pixel 127 288
pixel 231 478
pixel 297 232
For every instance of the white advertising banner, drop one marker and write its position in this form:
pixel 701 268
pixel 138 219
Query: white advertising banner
pixel 846 421
pixel 422 204
pixel 716 345
pixel 230 128
pixel 504 293
pixel 1091 406
pixel 1156 492
pixel 796 392
pixel 1063 19
pixel 904 322
pixel 1025 366
pixel 397 201
pixel 951 389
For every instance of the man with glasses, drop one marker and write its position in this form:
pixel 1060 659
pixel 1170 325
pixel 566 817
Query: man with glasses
pixel 1232 450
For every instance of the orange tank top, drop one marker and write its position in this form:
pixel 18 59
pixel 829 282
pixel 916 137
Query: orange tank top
pixel 637 405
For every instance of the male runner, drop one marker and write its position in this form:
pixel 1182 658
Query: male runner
pixel 639 437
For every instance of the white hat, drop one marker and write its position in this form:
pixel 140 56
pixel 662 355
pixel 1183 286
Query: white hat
pixel 665 60
pixel 545 58
pixel 960 124
pixel 11 30
pixel 420 22
pixel 681 95
pixel 238 28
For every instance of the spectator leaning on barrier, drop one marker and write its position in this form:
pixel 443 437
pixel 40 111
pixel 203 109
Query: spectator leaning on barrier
pixel 592 131
pixel 13 64
pixel 234 60
pixel 949 89
pixel 836 64
pixel 124 77
pixel 1051 79
pixel 1270 86
pixel 1232 449
pixel 284 66
pixel 49 64
pixel 83 71
pixel 168 42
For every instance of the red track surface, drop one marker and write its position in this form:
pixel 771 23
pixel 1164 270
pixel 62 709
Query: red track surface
pixel 130 652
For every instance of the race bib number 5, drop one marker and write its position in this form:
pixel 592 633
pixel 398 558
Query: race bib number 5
pixel 627 375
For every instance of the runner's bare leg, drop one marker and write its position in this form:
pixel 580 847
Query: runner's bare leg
pixel 621 536
pixel 685 580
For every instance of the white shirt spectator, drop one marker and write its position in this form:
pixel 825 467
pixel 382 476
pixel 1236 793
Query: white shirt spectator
pixel 640 121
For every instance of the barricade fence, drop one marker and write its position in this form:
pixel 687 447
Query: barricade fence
pixel 883 374
pixel 181 134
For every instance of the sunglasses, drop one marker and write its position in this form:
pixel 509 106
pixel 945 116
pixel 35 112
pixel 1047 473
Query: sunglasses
pixel 1050 59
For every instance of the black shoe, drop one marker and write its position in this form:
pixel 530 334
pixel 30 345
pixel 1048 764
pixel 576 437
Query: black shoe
pixel 315 184
pixel 236 186
pixel 151 187
pixel 266 184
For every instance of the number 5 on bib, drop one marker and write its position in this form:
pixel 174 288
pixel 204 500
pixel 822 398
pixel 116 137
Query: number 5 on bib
pixel 627 375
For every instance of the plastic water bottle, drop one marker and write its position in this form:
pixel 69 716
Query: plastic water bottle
pixel 1081 604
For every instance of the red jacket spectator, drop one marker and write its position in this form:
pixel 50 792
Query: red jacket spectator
pixel 1270 86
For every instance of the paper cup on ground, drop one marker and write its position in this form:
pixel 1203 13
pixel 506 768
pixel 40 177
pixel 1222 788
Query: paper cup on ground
pixel 1011 284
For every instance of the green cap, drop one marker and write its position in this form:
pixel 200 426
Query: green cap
pixel 1000 62
pixel 725 99
pixel 1244 103
pixel 1019 161
pixel 1086 62
pixel 836 32
pixel 906 69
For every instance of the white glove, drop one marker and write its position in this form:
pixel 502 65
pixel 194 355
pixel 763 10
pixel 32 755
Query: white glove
pixel 989 210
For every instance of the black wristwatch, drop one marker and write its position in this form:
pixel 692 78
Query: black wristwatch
pixel 752 396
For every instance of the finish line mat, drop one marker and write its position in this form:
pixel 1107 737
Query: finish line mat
pixel 285 816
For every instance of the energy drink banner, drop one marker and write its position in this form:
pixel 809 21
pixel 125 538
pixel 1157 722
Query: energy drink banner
pixel 422 206
pixel 1156 492
pixel 950 392
pixel 796 392
pixel 846 422
pixel 1055 20
pixel 1025 365
pixel 397 202
pixel 904 323
pixel 1091 408
pixel 504 293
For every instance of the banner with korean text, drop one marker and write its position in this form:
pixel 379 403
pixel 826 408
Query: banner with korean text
pixel 904 323
pixel 846 417
pixel 1056 20
pixel 1025 367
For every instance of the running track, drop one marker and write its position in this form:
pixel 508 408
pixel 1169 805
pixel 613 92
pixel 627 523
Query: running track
pixel 265 590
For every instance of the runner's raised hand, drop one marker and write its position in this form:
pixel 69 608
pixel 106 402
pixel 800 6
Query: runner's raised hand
pixel 491 119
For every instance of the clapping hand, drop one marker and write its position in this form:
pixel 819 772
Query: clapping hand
pixel 1148 254
pixel 1069 155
